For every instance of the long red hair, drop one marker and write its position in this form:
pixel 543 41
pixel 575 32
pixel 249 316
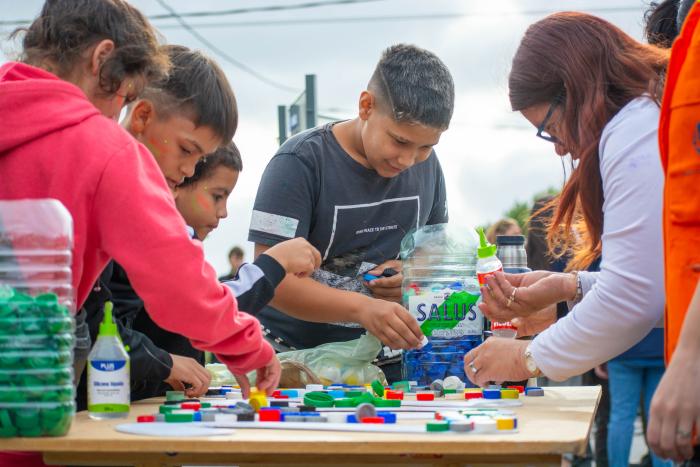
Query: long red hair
pixel 598 69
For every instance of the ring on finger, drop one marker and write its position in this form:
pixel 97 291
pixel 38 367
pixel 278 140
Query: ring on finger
pixel 472 367
pixel 511 299
pixel 683 433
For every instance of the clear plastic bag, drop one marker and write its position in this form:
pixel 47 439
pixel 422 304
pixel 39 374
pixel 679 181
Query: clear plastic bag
pixel 334 363
pixel 341 362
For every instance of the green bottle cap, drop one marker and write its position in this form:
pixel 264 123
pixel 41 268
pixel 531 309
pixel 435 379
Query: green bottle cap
pixel 386 403
pixel 378 387
pixel 108 327
pixel 346 403
pixel 179 417
pixel 318 399
pixel 485 249
pixel 437 426
pixel 174 396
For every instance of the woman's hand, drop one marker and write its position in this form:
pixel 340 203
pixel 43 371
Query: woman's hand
pixel 497 359
pixel 536 322
pixel 674 417
pixel 515 296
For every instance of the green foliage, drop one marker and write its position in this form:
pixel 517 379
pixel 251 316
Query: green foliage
pixel 520 210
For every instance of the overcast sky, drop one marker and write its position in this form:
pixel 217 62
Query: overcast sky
pixel 490 156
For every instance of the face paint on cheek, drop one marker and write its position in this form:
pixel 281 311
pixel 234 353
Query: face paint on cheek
pixel 156 147
pixel 201 203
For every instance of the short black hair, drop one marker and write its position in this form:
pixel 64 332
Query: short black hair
pixel 65 29
pixel 414 85
pixel 227 156
pixel 660 26
pixel 236 251
pixel 197 87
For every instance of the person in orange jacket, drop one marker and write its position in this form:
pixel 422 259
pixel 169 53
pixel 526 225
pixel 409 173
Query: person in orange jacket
pixel 675 410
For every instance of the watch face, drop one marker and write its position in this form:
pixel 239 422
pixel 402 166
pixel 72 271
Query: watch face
pixel 530 363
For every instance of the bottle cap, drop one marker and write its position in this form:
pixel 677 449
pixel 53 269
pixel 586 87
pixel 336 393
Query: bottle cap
pixel 485 249
pixel 517 240
pixel 502 325
pixel 108 327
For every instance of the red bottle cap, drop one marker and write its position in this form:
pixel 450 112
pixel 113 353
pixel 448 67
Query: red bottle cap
pixel 146 418
pixel 395 395
pixel 372 420
pixel 270 415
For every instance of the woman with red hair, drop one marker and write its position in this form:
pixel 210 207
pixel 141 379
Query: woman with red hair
pixel 594 92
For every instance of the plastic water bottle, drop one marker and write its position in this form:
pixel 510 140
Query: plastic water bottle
pixel 109 391
pixel 441 291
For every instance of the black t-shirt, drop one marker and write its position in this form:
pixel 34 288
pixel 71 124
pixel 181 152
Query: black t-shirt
pixel 312 188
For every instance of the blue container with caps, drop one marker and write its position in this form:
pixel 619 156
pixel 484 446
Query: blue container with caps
pixel 441 291
pixel 37 396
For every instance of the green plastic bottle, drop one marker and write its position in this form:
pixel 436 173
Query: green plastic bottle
pixel 109 391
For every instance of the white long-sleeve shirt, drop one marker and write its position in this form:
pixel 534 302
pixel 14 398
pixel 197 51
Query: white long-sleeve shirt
pixel 625 300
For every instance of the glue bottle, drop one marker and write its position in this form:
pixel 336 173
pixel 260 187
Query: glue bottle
pixel 109 391
pixel 487 263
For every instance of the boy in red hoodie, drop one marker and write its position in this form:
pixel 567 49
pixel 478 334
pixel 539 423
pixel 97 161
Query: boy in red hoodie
pixel 83 60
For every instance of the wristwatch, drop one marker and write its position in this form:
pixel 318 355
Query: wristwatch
pixel 530 364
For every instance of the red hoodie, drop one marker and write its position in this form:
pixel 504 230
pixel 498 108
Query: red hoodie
pixel 55 144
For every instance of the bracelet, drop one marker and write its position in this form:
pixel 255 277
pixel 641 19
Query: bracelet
pixel 579 289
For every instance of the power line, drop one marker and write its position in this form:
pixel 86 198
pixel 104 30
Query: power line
pixel 223 54
pixel 376 19
pixel 237 11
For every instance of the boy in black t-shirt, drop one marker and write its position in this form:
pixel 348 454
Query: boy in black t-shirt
pixel 354 189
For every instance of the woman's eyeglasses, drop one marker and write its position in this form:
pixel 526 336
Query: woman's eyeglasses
pixel 541 132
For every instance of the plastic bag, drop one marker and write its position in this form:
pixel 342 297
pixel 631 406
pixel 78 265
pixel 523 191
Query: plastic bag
pixel 294 375
pixel 334 363
pixel 341 362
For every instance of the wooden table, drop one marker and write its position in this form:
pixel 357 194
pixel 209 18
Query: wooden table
pixel 549 428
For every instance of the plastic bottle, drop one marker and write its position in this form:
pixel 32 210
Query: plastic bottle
pixel 511 252
pixel 487 263
pixel 109 391
pixel 37 397
pixel 503 329
pixel 441 291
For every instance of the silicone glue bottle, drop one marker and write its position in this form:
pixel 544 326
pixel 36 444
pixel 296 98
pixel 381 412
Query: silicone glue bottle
pixel 109 391
pixel 488 263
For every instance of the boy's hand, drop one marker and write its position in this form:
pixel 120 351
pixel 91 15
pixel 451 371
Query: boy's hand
pixel 188 370
pixel 297 256
pixel 392 324
pixel 387 288
pixel 266 379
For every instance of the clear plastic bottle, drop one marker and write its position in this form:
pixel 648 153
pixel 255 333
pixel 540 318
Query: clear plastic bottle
pixel 488 263
pixel 441 291
pixel 109 390
pixel 503 329
pixel 37 397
